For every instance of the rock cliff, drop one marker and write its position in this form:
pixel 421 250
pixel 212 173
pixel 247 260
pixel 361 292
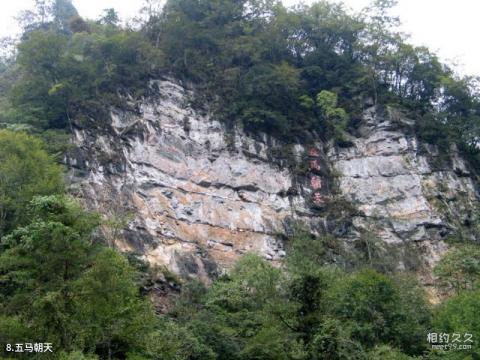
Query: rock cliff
pixel 408 192
pixel 198 195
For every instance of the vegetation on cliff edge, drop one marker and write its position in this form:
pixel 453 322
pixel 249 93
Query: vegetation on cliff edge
pixel 290 72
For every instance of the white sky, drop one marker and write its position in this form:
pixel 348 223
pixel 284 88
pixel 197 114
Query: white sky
pixel 449 27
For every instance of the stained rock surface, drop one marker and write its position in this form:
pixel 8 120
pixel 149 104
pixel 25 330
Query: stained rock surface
pixel 196 195
pixel 407 190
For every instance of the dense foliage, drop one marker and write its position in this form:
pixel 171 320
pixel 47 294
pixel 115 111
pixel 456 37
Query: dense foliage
pixel 62 284
pixel 311 309
pixel 257 63
pixel 264 60
pixel 25 171
pixel 77 76
pixel 289 72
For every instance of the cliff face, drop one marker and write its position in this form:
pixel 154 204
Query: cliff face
pixel 408 191
pixel 197 195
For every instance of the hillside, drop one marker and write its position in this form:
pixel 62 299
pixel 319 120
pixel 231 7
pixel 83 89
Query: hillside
pixel 235 180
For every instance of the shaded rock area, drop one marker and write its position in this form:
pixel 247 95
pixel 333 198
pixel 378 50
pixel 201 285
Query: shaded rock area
pixel 197 204
pixel 197 195
pixel 403 198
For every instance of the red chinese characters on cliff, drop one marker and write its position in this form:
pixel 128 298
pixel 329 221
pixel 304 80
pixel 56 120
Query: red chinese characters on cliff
pixel 316 182
pixel 313 152
pixel 317 198
pixel 314 165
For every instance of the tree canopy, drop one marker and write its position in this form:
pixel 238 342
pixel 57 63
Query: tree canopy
pixel 256 62
pixel 290 72
pixel 26 170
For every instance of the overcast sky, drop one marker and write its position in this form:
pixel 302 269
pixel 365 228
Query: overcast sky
pixel 449 27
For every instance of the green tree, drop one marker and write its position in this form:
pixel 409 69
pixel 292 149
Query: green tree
pixel 335 119
pixel 459 315
pixel 459 269
pixel 109 17
pixel 67 79
pixel 40 97
pixel 115 320
pixel 376 310
pixel 333 340
pixel 379 41
pixel 59 283
pixel 39 263
pixel 173 342
pixel 26 170
pixel 327 103
pixel 245 315
pixel 63 11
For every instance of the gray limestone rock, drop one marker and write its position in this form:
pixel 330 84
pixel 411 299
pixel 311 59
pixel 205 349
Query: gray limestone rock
pixel 172 167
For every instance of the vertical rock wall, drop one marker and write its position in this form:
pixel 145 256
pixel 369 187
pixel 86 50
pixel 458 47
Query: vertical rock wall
pixel 197 196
